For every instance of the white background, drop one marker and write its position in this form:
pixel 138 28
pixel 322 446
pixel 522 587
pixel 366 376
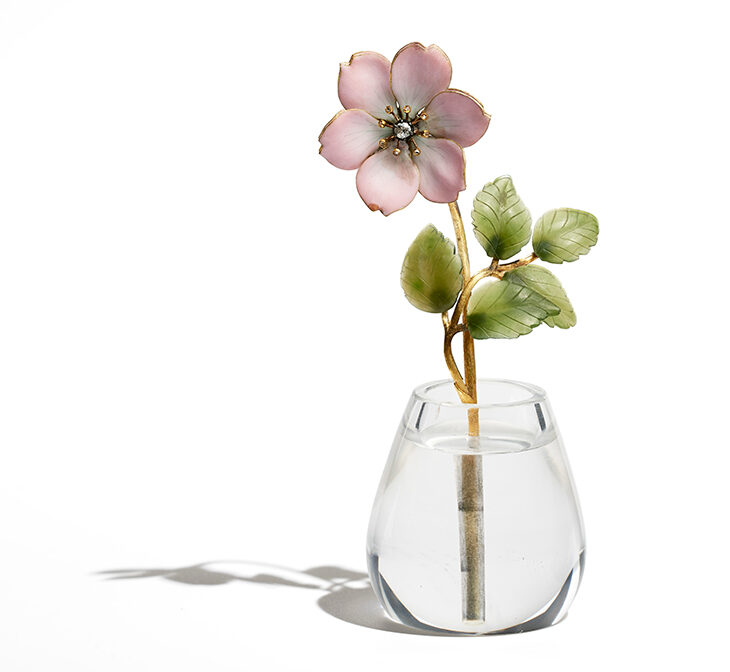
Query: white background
pixel 205 350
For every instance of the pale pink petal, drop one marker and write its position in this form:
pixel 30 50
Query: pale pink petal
pixel 387 182
pixel 457 116
pixel 350 137
pixel 365 83
pixel 441 164
pixel 418 74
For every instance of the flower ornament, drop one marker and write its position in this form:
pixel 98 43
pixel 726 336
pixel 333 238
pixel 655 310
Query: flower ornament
pixel 402 128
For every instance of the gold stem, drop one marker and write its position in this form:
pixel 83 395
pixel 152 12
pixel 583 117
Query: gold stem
pixel 469 467
pixel 461 304
pixel 469 358
pixel 503 268
pixel 494 270
pixel 460 238
pixel 459 383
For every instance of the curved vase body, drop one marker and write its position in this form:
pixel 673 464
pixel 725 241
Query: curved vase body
pixel 528 533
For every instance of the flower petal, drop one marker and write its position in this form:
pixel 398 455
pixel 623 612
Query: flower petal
pixel 418 74
pixel 387 182
pixel 350 137
pixel 364 83
pixel 441 164
pixel 457 116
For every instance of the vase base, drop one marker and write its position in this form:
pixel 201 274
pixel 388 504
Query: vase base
pixel 550 615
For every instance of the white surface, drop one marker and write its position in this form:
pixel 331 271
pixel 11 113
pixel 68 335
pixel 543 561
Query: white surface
pixel 176 390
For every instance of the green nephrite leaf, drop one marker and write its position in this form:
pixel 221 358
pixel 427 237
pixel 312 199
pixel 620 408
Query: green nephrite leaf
pixel 564 234
pixel 504 309
pixel 431 273
pixel 501 220
pixel 539 279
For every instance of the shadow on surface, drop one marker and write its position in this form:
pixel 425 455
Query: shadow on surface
pixel 348 595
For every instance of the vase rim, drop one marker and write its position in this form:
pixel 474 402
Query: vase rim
pixel 531 394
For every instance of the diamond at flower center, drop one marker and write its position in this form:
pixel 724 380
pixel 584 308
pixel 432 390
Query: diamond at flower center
pixel 403 130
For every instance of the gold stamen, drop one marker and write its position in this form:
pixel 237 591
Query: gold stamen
pixel 415 150
pixel 383 142
pixel 382 123
pixel 396 151
pixel 393 112
pixel 407 109
pixel 423 116
pixel 425 134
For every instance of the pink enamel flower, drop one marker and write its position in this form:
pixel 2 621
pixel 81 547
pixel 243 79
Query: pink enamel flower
pixel 403 128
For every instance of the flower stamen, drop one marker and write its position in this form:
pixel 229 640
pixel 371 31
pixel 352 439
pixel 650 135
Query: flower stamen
pixel 414 148
pixel 383 142
pixel 394 113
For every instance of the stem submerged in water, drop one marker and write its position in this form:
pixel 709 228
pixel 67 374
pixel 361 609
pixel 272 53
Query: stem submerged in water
pixel 470 489
pixel 471 537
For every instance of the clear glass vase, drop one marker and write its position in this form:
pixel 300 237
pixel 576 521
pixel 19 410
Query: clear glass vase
pixel 476 534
